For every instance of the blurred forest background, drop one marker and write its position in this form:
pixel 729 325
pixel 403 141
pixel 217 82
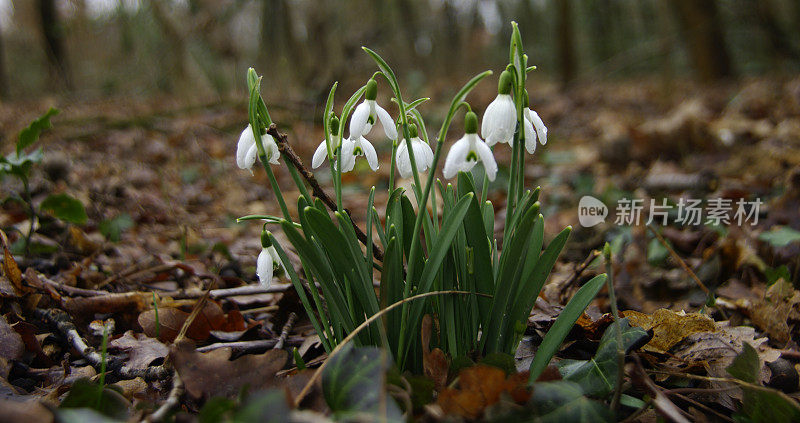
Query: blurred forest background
pixel 200 49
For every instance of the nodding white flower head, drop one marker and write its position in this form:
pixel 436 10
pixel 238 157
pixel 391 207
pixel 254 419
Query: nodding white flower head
pixel 500 118
pixel 359 147
pixel 533 122
pixel 468 151
pixel 268 260
pixel 247 151
pixel 423 155
pixel 366 113
pixel 322 149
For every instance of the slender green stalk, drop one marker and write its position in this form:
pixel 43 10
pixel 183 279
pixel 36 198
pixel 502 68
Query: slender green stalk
pixel 612 298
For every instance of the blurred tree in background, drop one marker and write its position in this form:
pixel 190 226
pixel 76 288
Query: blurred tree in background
pixel 201 48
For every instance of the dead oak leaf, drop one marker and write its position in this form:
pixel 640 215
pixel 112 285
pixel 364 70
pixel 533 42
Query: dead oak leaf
pixel 479 387
pixel 771 313
pixel 206 375
pixel 669 327
pixel 142 350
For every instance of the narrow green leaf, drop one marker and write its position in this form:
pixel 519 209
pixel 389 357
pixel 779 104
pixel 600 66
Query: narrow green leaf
pixel 563 324
pixel 30 134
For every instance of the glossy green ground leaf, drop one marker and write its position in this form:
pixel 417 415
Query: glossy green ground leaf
pixel 563 324
pixel 112 229
pixel 87 394
pixel 598 375
pixel 354 383
pixel 564 401
pixel 264 407
pixel 83 415
pixel 760 404
pixel 66 208
pixel 780 236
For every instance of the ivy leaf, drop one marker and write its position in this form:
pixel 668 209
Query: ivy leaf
pixel 760 404
pixel 30 134
pixel 113 228
pixel 598 376
pixel 565 401
pixel 781 236
pixel 65 208
pixel 88 394
pixel 354 384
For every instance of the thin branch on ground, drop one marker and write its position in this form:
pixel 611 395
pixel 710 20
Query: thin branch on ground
pixel 249 346
pixel 285 331
pixel 173 400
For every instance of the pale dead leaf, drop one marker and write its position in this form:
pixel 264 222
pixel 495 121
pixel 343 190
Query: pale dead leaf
pixel 142 350
pixel 669 327
pixel 771 313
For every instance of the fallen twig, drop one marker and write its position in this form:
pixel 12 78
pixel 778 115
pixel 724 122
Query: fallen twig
pixel 246 346
pixel 172 400
pixel 61 320
pixel 285 331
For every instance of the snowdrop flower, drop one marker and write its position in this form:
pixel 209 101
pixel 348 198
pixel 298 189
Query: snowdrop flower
pixel 366 113
pixel 423 155
pixel 533 121
pixel 359 147
pixel 500 118
pixel 468 151
pixel 322 150
pixel 247 151
pixel 267 261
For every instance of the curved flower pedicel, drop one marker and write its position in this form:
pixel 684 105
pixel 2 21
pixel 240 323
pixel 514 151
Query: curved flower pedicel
pixel 468 151
pixel 500 118
pixel 359 147
pixel 366 113
pixel 247 151
pixel 423 154
pixel 533 122
pixel 267 261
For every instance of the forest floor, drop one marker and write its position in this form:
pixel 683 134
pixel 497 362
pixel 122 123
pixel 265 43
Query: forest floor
pixel 162 193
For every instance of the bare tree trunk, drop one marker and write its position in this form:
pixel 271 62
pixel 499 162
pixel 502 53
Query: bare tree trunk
pixel 54 41
pixel 702 30
pixel 782 48
pixel 566 42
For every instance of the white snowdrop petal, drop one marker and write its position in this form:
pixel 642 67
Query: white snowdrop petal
pixel 386 122
pixel 486 156
pixel 499 120
pixel 369 153
pixel 264 268
pixel 250 157
pixel 530 136
pixel 348 159
pixel 319 155
pixel 276 259
pixel 359 121
pixel 456 158
pixel 271 148
pixel 246 140
pixel 541 130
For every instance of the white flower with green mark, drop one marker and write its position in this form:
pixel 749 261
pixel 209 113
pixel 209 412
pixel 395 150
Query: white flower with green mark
pixel 500 118
pixel 359 147
pixel 322 149
pixel 247 151
pixel 423 154
pixel 468 151
pixel 533 122
pixel 368 112
pixel 268 260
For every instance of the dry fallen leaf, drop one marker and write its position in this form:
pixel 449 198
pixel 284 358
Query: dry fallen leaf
pixel 434 362
pixel 669 327
pixel 171 319
pixel 213 374
pixel 770 313
pixel 479 387
pixel 142 350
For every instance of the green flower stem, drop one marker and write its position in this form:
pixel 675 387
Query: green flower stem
pixel 612 298
pixel 392 167
pixel 275 187
pixel 298 181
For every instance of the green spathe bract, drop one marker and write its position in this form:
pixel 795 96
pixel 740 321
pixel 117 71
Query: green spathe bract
pixel 420 250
